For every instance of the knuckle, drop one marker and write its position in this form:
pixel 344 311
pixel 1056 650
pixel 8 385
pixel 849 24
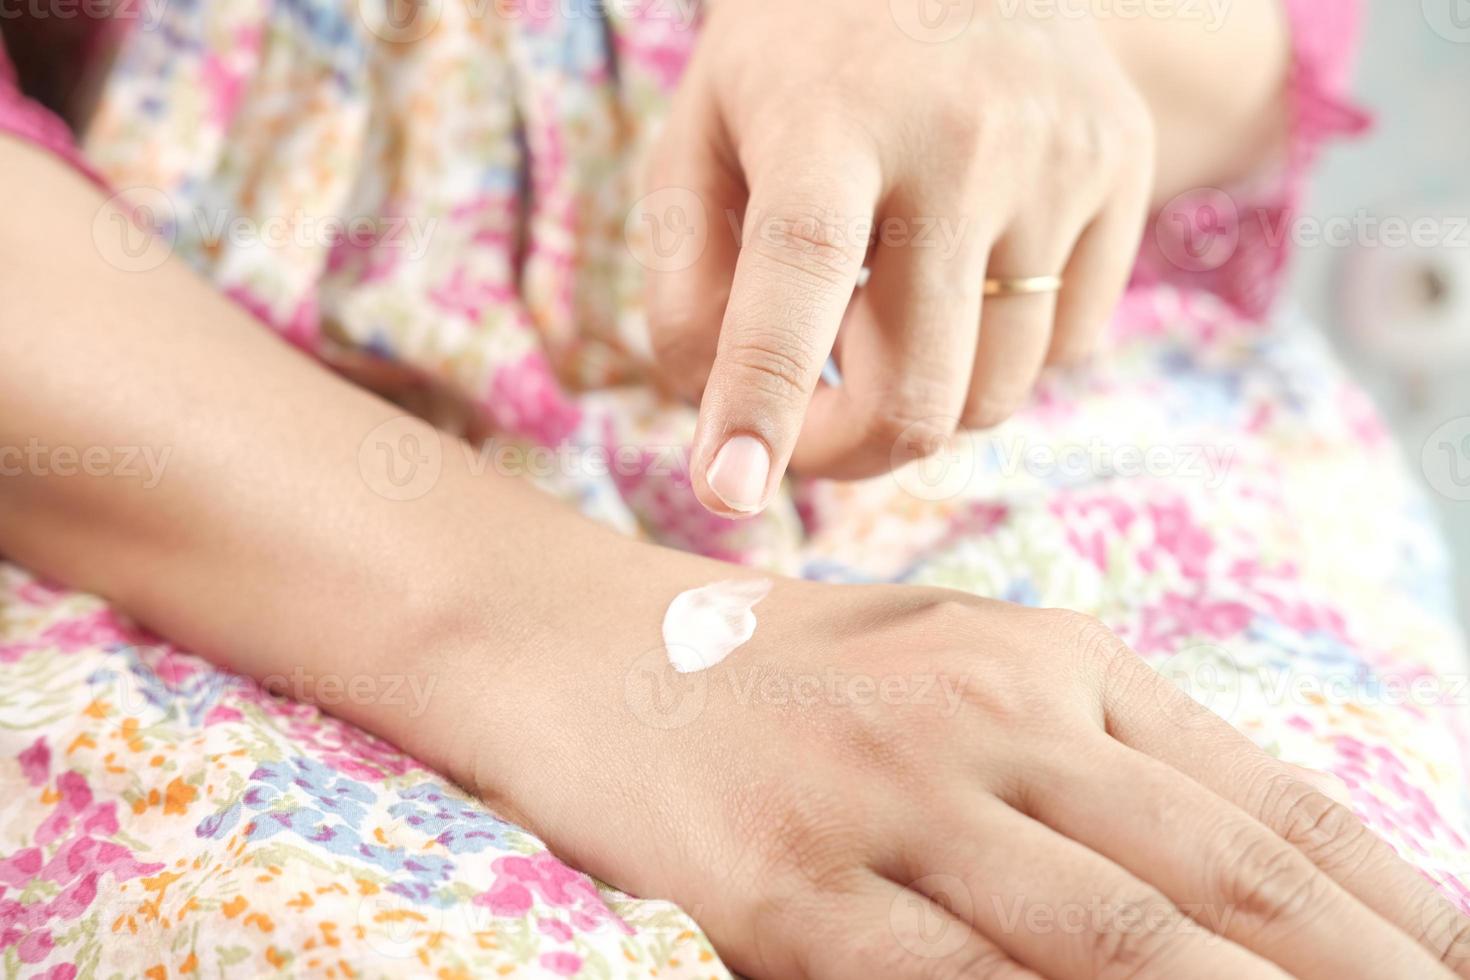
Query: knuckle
pixel 1085 143
pixel 948 614
pixel 1025 125
pixel 1265 882
pixel 806 836
pixel 811 243
pixel 1091 639
pixel 959 122
pixel 1447 933
pixel 776 367
pixel 909 432
pixel 1121 948
pixel 1319 826
pixel 679 339
pixel 1136 127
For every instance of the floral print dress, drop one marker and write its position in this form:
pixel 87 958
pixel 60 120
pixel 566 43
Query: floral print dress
pixel 454 200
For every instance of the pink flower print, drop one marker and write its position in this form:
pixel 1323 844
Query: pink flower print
pixel 520 880
pixel 657 40
pixel 526 400
pixel 93 630
pixel 507 897
pixel 468 298
pixel 81 858
pixel 223 87
pixel 35 762
pixel 1176 533
pixel 562 964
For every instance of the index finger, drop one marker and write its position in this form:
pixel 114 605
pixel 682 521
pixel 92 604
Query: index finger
pixel 805 236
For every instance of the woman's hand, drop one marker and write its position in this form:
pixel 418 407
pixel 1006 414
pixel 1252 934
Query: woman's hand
pixel 1018 148
pixel 909 783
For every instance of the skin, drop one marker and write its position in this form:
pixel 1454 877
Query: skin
pixel 1035 143
pixel 826 836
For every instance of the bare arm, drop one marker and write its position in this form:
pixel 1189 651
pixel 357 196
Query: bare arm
pixel 264 544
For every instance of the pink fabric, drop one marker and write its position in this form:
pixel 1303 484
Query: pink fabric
pixel 1231 241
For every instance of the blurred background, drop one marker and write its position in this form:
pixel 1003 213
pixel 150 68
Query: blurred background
pixel 1400 311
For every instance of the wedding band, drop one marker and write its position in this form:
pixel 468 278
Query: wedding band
pixel 1018 287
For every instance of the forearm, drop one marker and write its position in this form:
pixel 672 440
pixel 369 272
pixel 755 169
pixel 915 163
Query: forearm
pixel 1214 77
pixel 262 544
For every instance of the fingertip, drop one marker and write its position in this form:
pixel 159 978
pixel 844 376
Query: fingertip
pixel 738 477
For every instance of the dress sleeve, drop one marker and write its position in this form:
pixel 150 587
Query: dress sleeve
pixel 1235 241
pixel 28 120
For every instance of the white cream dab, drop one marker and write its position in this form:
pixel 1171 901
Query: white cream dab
pixel 704 626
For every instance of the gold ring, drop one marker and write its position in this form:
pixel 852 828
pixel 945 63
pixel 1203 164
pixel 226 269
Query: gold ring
pixel 1019 287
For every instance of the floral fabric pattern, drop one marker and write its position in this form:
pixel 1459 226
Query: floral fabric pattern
pixel 1215 490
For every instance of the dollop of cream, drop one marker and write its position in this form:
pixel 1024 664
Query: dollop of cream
pixel 705 625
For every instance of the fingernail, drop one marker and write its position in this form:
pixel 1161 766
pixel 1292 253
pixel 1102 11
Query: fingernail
pixel 738 474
